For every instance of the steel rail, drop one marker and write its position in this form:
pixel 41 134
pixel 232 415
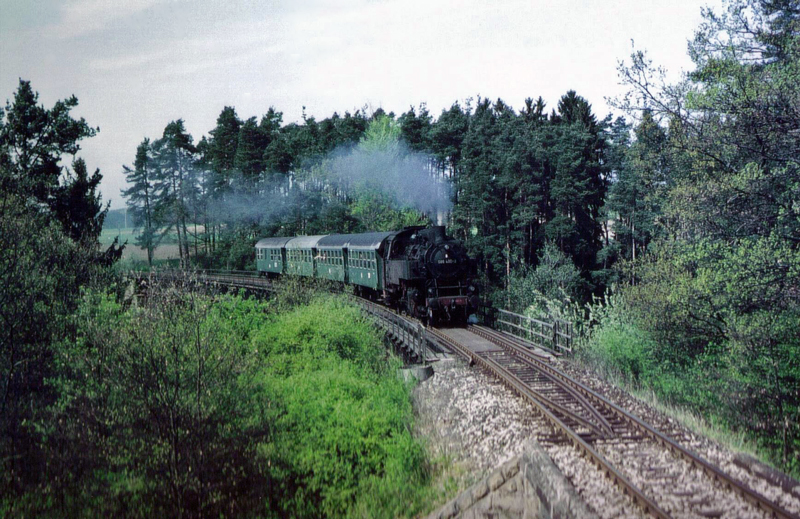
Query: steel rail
pixel 645 429
pixel 553 405
pixel 555 375
pixel 648 505
pixel 599 431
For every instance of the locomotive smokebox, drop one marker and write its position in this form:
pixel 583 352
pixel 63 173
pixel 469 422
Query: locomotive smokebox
pixel 437 233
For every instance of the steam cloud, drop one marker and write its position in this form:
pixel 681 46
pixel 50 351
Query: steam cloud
pixel 395 172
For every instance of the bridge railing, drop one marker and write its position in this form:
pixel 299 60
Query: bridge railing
pixel 555 335
pixel 234 278
pixel 411 334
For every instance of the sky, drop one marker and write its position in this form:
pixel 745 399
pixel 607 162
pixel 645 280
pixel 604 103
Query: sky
pixel 136 65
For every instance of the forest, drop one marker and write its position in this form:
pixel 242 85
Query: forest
pixel 670 236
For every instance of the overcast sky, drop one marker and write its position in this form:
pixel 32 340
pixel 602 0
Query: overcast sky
pixel 136 65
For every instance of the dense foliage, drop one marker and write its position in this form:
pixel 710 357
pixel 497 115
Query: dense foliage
pixel 184 405
pixel 50 221
pixel 708 217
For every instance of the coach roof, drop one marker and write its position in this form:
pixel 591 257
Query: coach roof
pixel 272 243
pixel 363 241
pixel 304 242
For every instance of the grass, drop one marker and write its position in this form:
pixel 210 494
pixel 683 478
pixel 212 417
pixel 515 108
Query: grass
pixel 736 441
pixel 693 421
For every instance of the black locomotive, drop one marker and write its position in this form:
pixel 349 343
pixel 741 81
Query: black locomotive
pixel 420 270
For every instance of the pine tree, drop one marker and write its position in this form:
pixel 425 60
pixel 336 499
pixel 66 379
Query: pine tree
pixel 77 205
pixel 478 194
pixel 222 147
pixel 33 140
pixel 175 182
pixel 447 138
pixel 249 159
pixel 140 198
pixel 527 174
pixel 639 189
pixel 578 185
pixel 416 129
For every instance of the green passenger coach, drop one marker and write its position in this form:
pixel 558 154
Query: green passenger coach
pixel 365 258
pixel 331 257
pixel 300 254
pixel 347 258
pixel 271 255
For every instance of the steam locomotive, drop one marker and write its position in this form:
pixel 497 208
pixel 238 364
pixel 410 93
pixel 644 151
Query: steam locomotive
pixel 420 270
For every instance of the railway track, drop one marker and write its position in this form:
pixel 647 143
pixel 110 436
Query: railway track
pixel 660 475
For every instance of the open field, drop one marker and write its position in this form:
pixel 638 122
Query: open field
pixel 167 250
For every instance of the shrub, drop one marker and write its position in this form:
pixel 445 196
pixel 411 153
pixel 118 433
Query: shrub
pixel 616 344
pixel 341 441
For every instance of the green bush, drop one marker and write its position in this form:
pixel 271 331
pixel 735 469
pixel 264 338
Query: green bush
pixel 623 348
pixel 341 442
pixel 616 345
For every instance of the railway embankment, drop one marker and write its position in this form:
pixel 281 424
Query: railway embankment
pixel 474 425
pixel 477 427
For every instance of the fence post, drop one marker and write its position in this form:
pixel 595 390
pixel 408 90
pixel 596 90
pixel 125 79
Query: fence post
pixel 424 345
pixel 419 340
pixel 555 334
pixel 529 329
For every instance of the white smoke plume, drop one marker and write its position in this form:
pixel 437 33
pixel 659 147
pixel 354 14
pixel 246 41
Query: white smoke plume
pixel 396 172
pixel 406 177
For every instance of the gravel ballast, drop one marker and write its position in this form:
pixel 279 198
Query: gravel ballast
pixel 476 423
